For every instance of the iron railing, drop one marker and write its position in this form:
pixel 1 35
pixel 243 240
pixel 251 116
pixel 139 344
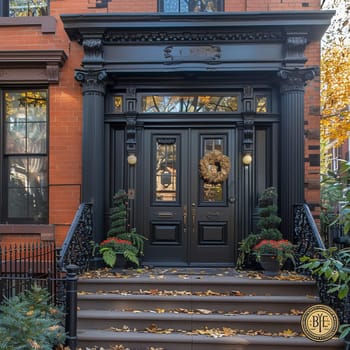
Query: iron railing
pixel 26 265
pixel 308 239
pixel 306 235
pixel 78 246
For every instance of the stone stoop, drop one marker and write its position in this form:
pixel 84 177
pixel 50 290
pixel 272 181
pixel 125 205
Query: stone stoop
pixel 195 310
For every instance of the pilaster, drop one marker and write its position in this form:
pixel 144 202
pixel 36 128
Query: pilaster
pixel 93 84
pixel 292 84
pixel 247 159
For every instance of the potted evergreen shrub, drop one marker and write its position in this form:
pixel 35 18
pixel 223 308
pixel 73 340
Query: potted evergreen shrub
pixel 267 243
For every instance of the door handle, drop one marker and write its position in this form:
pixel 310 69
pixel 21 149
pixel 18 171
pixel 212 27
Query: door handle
pixel 185 215
pixel 193 214
pixel 165 214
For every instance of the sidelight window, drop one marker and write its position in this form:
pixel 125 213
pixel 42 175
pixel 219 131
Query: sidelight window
pixel 204 6
pixel 262 104
pixel 25 158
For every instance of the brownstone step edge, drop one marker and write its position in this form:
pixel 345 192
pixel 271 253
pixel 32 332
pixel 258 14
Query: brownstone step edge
pixel 176 341
pixel 199 283
pixel 123 310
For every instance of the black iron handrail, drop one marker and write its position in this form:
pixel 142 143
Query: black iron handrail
pixel 78 246
pixel 306 235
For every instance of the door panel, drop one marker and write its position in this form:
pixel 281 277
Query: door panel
pixel 211 238
pixel 187 220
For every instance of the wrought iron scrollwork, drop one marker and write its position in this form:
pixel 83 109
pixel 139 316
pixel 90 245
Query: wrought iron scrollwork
pixel 306 235
pixel 78 246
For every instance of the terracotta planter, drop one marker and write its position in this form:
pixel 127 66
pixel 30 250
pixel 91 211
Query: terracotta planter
pixel 270 265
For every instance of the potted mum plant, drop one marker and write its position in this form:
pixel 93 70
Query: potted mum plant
pixel 268 242
pixel 115 250
pixel 123 245
pixel 272 254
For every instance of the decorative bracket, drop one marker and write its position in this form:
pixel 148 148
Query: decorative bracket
pixel 93 49
pixel 131 135
pixel 294 49
pixel 248 135
pixel 130 100
pixel 248 99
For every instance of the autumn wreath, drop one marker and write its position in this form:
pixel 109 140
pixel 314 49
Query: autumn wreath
pixel 214 167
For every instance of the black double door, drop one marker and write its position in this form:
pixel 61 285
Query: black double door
pixel 188 221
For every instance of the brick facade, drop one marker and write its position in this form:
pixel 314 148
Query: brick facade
pixel 65 97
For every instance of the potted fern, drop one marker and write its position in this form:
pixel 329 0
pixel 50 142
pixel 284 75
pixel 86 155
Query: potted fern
pixel 124 246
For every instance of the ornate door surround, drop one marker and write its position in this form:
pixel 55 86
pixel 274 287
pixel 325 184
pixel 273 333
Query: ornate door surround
pixel 117 46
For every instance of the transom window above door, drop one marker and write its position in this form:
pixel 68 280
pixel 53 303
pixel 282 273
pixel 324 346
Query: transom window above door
pixel 195 103
pixel 191 5
pixel 189 104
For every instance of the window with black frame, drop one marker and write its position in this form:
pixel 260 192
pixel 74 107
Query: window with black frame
pixel 203 6
pixel 25 158
pixel 25 8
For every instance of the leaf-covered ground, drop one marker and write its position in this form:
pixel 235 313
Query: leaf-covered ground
pixel 186 273
pixel 119 347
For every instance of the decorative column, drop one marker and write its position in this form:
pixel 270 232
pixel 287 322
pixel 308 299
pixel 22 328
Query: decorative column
pixel 292 83
pixel 93 177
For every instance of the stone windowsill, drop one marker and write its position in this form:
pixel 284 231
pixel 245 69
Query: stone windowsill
pixel 45 232
pixel 47 23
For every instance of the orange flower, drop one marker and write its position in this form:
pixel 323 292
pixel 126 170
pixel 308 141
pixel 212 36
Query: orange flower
pixel 115 240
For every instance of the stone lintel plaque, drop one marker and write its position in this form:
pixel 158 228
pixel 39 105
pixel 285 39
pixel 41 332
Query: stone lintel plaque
pixel 195 53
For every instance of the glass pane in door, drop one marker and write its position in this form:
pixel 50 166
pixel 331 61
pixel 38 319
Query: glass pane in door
pixel 212 192
pixel 165 170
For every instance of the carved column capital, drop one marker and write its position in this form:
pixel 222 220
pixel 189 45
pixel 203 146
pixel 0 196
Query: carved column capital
pixel 294 79
pixel 92 81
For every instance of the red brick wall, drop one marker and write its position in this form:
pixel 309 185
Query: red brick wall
pixel 312 131
pixel 66 99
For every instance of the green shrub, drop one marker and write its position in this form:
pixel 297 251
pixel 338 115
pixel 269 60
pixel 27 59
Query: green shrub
pixel 28 321
pixel 332 266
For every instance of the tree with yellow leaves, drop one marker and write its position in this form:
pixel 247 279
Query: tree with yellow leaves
pixel 335 81
pixel 335 93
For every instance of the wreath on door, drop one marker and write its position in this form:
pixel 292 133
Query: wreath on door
pixel 214 167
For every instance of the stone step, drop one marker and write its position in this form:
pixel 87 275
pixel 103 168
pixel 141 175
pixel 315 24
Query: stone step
pixel 176 341
pixel 280 304
pixel 97 319
pixel 201 283
pixel 195 311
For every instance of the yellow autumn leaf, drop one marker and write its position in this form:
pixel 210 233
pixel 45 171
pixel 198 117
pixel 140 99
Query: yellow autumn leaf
pixel 288 333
